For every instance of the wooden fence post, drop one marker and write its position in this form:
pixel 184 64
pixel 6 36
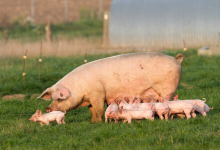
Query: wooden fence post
pixel 105 35
pixel 48 32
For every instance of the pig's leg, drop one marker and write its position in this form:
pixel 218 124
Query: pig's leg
pixel 129 120
pixel 106 118
pixel 193 114
pixel 188 116
pixel 166 116
pixel 42 124
pixel 47 122
pixel 63 121
pixel 58 121
pixel 125 120
pixel 161 116
pixel 171 116
pixel 181 115
pixel 203 114
pixel 93 113
pixel 98 106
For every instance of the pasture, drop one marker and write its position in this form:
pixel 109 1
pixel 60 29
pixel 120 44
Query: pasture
pixel 200 78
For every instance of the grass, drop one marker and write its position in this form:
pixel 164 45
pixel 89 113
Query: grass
pixel 199 79
pixel 28 32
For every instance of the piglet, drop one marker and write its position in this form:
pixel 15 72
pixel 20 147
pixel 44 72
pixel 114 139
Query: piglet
pixel 130 114
pixel 180 107
pixel 199 105
pixel 48 117
pixel 162 110
pixel 111 112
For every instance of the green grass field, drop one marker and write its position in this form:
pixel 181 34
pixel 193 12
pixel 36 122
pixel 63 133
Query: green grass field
pixel 31 33
pixel 200 78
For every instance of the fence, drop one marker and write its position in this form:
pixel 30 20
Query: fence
pixel 55 11
pixel 164 23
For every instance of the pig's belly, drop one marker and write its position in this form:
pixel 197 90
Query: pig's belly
pixel 146 94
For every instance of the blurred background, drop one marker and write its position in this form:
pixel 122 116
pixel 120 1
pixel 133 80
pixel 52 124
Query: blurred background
pixel 77 27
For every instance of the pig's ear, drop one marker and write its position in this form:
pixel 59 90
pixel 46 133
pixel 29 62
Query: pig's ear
pixel 141 100
pixel 179 57
pixel 175 96
pixel 152 106
pixel 37 112
pixel 61 93
pixel 167 98
pixel 120 110
pixel 40 113
pixel 119 101
pixel 46 95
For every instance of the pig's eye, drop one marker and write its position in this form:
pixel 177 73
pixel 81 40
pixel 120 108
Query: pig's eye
pixel 61 95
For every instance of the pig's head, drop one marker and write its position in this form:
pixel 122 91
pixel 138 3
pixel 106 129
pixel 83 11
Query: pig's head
pixel 113 102
pixel 61 99
pixel 126 99
pixel 140 100
pixel 119 112
pixel 121 101
pixel 35 116
pixel 135 102
pixel 161 100
pixel 175 97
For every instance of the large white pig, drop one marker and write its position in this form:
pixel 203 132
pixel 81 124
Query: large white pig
pixel 147 75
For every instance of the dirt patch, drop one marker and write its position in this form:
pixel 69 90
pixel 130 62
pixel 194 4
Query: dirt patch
pixel 34 96
pixel 187 86
pixel 14 97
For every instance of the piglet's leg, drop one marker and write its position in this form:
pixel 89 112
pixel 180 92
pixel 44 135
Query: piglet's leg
pixel 193 115
pixel 58 120
pixel 166 116
pixel 42 124
pixel 181 115
pixel 63 122
pixel 161 116
pixel 188 116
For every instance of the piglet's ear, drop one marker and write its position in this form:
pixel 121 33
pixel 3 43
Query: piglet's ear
pixel 167 98
pixel 176 96
pixel 46 95
pixel 120 110
pixel 61 93
pixel 40 113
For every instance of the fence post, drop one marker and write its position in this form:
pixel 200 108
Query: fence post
pixel 66 10
pixel 32 10
pixel 48 32
pixel 100 9
pixel 219 39
pixel 105 35
pixel 6 36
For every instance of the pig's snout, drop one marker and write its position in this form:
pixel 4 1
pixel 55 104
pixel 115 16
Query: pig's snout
pixel 48 109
